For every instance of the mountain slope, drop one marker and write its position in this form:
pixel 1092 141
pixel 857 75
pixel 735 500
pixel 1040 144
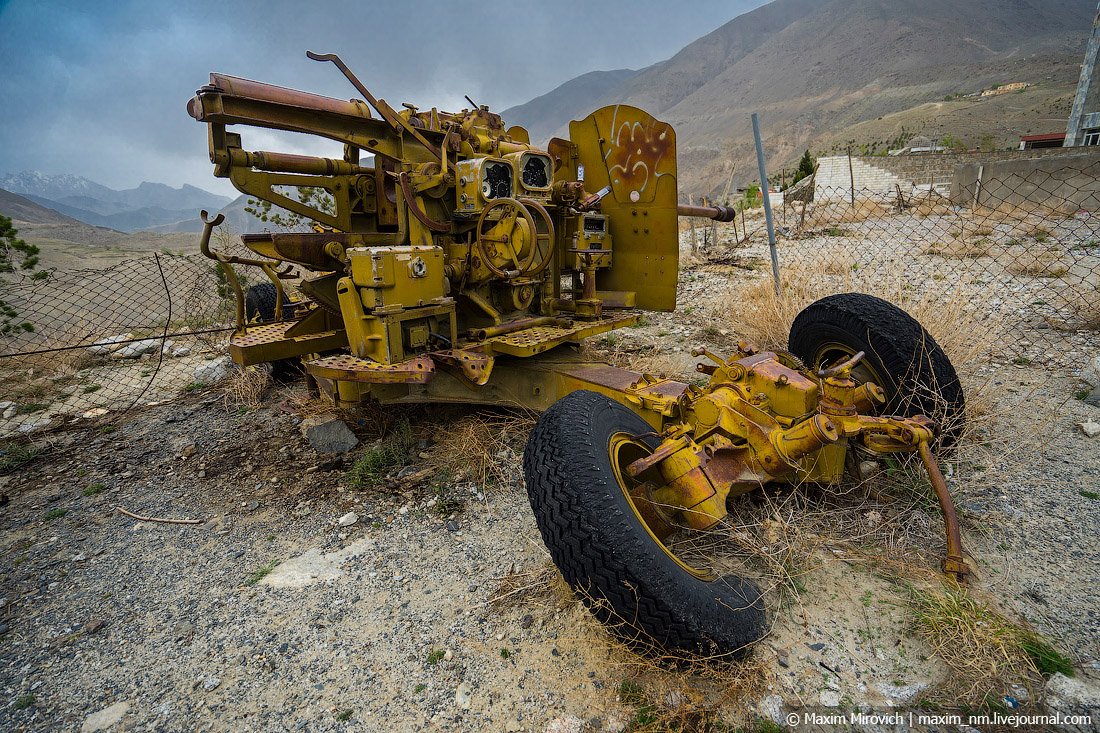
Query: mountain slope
pixel 237 220
pixel 19 209
pixel 146 205
pixel 124 221
pixel 812 68
pixel 543 115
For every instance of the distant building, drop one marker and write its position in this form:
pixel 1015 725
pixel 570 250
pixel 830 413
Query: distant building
pixel 919 144
pixel 1049 140
pixel 1006 88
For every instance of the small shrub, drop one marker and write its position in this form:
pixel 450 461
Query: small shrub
pixel 1089 494
pixel 94 489
pixel 390 452
pixel 1045 657
pixel 22 702
pixel 261 573
pixel 345 715
pixel 1040 235
pixel 92 388
pixel 56 513
pixel 14 455
pixel 435 656
pixel 420 687
pixel 987 651
pixel 445 505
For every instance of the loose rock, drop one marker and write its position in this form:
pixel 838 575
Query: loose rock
pixel 463 695
pixel 105 718
pixel 328 434
pixel 1074 697
pixel 213 371
pixel 136 349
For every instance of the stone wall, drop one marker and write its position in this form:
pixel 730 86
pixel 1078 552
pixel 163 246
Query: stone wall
pixel 1060 179
pixel 923 169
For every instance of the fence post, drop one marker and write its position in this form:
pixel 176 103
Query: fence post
pixel 767 201
pixel 691 220
pixel 852 178
pixel 978 187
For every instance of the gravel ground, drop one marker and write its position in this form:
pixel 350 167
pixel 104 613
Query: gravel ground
pixel 388 624
pixel 101 609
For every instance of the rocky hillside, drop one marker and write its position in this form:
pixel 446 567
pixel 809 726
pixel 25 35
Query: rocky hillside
pixel 813 68
pixel 544 115
pixel 22 209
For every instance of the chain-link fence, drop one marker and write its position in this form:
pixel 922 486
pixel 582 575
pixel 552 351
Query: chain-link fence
pixel 98 341
pixel 1005 262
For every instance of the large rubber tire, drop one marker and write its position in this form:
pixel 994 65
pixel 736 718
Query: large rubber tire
pixel 606 554
pixel 901 355
pixel 260 299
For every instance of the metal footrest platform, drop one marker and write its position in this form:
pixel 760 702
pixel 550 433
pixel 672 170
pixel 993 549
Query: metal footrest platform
pixel 531 341
pixel 270 343
pixel 350 368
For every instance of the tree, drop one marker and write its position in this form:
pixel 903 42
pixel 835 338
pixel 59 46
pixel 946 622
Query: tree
pixel 952 143
pixel 316 198
pixel 805 167
pixel 15 254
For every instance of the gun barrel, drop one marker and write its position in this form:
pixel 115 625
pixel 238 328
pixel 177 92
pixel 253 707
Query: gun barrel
pixel 232 86
pixel 718 213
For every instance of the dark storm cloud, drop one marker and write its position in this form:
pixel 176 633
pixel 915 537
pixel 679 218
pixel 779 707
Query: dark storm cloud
pixel 98 89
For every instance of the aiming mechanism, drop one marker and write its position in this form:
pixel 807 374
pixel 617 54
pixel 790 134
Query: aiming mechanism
pixel 464 264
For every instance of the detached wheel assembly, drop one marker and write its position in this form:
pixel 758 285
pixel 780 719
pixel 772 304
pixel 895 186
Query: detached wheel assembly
pixel 609 547
pixel 901 356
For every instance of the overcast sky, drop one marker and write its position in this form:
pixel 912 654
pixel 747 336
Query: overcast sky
pixel 99 88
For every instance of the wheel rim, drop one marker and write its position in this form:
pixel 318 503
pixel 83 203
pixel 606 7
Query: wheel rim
pixel 834 352
pixel 624 449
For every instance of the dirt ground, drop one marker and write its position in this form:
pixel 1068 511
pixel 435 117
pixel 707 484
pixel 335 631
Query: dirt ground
pixel 269 614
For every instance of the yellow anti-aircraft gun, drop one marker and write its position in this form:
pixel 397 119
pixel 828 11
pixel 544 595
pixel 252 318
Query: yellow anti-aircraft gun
pixel 463 264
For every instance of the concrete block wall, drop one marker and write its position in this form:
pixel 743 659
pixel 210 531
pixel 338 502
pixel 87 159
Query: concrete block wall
pixel 1068 182
pixel 878 174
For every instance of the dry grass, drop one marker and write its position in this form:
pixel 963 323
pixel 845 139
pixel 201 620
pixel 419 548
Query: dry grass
pixel 951 316
pixel 987 651
pixel 837 212
pixel 659 690
pixel 477 447
pixel 542 587
pixel 696 700
pixel 246 388
pixel 765 318
pixel 1037 265
pixel 645 360
pixel 962 248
